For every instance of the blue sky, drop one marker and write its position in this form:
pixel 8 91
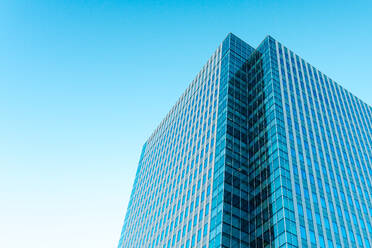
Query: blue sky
pixel 84 83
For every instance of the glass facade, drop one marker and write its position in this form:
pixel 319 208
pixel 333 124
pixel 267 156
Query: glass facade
pixel 170 204
pixel 261 150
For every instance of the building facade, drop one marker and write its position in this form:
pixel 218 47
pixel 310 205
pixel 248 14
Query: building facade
pixel 261 150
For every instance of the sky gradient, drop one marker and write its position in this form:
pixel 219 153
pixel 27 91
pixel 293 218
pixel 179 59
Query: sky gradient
pixel 84 83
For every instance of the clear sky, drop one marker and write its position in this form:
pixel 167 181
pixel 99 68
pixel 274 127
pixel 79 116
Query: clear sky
pixel 84 83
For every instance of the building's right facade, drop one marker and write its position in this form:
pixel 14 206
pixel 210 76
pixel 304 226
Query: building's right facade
pixel 326 145
pixel 290 159
pixel 321 165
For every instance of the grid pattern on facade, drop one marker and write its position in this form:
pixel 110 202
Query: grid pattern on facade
pixel 170 201
pixel 262 150
pixel 329 144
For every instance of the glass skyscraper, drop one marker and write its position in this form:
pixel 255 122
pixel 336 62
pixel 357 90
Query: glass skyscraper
pixel 261 150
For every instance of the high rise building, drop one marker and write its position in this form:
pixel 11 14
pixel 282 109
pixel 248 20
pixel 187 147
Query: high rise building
pixel 261 150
